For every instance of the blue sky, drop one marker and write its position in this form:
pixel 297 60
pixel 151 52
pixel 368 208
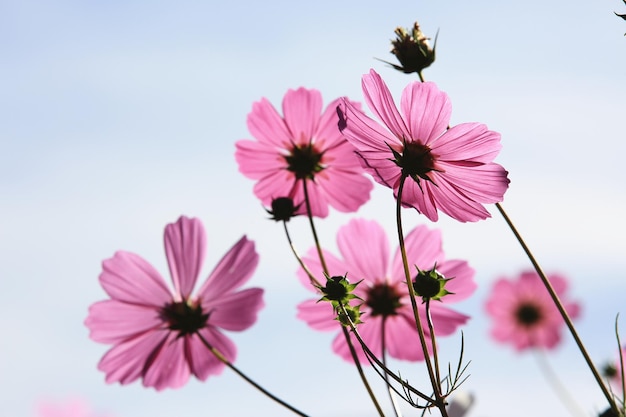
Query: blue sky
pixel 117 117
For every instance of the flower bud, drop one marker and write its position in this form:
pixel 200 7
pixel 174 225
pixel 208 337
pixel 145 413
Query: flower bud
pixel 430 285
pixel 283 209
pixel 412 50
pixel 338 290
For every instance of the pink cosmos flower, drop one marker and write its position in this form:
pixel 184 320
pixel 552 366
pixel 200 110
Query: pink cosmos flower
pixel 365 256
pixel 303 145
pixel 446 169
pixel 73 408
pixel 523 313
pixel 156 333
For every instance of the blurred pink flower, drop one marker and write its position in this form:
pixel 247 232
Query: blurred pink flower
pixel 523 313
pixel 72 408
pixel 305 144
pixel 154 331
pixel 449 169
pixel 365 255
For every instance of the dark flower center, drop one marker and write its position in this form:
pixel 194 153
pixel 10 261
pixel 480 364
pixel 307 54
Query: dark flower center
pixel 304 161
pixel 416 161
pixel 528 314
pixel 383 299
pixel 184 318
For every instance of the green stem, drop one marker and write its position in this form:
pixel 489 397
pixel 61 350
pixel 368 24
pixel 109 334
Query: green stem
pixel 383 347
pixel 312 278
pixel 320 254
pixel 431 329
pixel 436 384
pixel 226 362
pixel 561 308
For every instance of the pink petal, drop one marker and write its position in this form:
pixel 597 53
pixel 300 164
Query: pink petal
pixel 468 142
pixel 423 249
pixel 235 311
pixel 202 361
pixel 328 135
pixel 302 110
pixel 267 126
pixel 445 320
pixel 380 101
pixel 318 315
pixel 335 267
pixel 231 272
pixel 461 284
pixel 281 183
pixel 427 110
pixel 127 361
pixel 345 191
pixel 318 200
pixel 365 250
pixel 365 134
pixel 113 321
pixel 368 334
pixel 402 339
pixel 257 160
pixel 185 246
pixel 455 203
pixel 169 367
pixel 421 199
pixel 129 278
pixel 482 184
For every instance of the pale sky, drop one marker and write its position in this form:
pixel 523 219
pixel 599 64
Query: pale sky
pixel 118 117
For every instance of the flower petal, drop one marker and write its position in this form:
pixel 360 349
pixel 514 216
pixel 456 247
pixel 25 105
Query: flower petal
pixel 235 311
pixel 129 278
pixel 112 321
pixel 168 367
pixel 231 272
pixel 467 142
pixel 257 160
pixel 380 101
pixel 318 315
pixel 203 363
pixel 427 111
pixel 423 249
pixel 302 109
pixel 401 338
pixel 461 284
pixel 185 246
pixel 267 126
pixel 126 362
pixel 365 250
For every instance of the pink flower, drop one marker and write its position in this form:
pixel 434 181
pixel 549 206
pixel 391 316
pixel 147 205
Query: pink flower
pixel 304 145
pixel 523 313
pixel 73 408
pixel 365 256
pixel 449 169
pixel 156 333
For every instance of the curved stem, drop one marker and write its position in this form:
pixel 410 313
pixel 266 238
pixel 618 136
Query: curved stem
pixel 315 238
pixel 431 329
pixel 312 278
pixel 561 308
pixel 436 384
pixel 383 346
pixel 320 253
pixel 226 362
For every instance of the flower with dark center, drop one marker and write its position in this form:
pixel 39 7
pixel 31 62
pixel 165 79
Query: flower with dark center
pixel 523 313
pixel 161 335
pixel 365 254
pixel 302 148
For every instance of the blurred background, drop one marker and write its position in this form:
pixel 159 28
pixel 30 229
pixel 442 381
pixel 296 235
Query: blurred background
pixel 117 117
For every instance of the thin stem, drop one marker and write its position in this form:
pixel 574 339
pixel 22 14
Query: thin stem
pixel 312 278
pixel 436 384
pixel 310 216
pixel 622 375
pixel 431 329
pixel 561 308
pixel 226 362
pixel 560 390
pixel 383 348
pixel 320 254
